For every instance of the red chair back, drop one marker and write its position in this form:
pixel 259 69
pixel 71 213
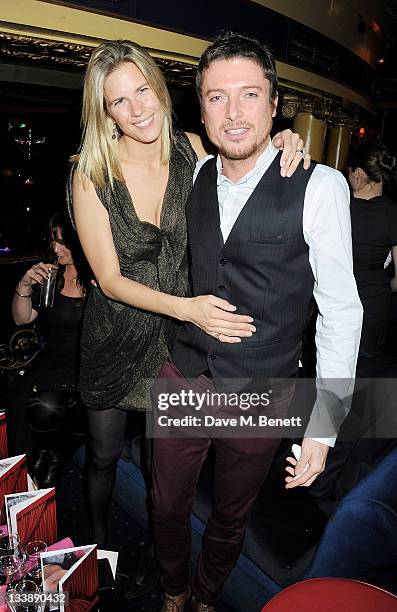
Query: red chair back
pixel 332 595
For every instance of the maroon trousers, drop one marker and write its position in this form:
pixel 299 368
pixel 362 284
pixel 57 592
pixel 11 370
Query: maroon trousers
pixel 241 465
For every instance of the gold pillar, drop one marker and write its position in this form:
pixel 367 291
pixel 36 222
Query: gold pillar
pixel 312 131
pixel 338 146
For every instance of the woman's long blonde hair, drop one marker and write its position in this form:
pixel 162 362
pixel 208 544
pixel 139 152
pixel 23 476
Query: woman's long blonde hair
pixel 98 154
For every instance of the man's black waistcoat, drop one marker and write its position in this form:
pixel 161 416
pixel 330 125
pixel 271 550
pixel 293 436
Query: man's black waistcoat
pixel 263 269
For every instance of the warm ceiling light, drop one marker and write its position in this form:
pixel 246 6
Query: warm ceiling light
pixel 375 27
pixel 381 60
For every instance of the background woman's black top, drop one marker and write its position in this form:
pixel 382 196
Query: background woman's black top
pixel 59 329
pixel 374 234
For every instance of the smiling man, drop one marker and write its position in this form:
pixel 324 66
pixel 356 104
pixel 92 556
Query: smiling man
pixel 267 244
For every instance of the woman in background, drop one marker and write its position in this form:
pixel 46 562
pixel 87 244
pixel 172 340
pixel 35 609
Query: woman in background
pixel 372 169
pixel 45 418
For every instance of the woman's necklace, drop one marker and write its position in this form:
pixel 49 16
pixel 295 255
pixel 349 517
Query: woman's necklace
pixel 72 279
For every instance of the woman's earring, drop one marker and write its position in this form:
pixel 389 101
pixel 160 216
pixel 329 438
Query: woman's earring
pixel 114 135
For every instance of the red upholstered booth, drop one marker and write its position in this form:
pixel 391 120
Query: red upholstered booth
pixel 332 595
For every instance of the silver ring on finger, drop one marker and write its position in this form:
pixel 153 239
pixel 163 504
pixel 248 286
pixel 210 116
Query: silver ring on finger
pixel 301 151
pixel 216 335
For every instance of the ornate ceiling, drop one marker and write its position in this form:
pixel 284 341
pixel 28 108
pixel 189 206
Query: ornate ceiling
pixel 29 50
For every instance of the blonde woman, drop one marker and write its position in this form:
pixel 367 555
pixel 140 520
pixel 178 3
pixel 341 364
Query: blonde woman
pixel 131 181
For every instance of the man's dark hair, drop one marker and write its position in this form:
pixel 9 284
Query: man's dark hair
pixel 229 45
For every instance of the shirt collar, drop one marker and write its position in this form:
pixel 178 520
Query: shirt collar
pixel 262 163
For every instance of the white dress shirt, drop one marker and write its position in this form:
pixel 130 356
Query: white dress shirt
pixel 327 232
